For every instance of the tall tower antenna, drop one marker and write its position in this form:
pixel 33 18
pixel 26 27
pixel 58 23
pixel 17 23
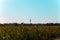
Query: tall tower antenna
pixel 30 20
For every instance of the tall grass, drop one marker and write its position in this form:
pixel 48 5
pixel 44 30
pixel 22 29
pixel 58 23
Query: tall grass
pixel 29 32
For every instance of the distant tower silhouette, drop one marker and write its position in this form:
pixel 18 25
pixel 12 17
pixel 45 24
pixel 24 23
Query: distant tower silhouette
pixel 30 20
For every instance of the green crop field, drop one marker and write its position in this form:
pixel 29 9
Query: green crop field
pixel 29 32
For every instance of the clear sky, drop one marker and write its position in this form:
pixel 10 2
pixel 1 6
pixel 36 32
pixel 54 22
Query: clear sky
pixel 40 11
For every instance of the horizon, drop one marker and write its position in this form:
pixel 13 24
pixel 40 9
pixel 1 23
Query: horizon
pixel 40 11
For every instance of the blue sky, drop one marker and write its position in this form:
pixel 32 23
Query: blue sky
pixel 40 11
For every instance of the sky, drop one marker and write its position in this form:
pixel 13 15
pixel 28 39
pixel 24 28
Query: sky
pixel 39 11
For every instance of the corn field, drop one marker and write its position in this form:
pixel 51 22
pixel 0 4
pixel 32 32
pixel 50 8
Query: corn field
pixel 29 32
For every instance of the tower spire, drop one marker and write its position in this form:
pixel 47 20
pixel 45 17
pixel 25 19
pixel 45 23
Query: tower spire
pixel 30 20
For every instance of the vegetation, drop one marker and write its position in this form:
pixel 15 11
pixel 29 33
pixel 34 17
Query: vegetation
pixel 21 32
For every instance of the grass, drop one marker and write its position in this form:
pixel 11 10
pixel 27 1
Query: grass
pixel 29 32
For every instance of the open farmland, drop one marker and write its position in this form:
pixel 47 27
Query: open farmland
pixel 20 32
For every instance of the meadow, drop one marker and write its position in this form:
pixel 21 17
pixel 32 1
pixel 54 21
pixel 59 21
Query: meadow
pixel 21 32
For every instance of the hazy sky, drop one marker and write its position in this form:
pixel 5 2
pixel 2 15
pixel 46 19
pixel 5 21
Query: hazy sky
pixel 40 11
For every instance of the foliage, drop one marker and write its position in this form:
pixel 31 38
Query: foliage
pixel 29 32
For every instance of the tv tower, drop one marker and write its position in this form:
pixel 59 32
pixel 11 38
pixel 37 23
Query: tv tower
pixel 30 20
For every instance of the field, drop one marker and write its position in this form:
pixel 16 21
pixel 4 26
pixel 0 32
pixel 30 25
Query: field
pixel 29 32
